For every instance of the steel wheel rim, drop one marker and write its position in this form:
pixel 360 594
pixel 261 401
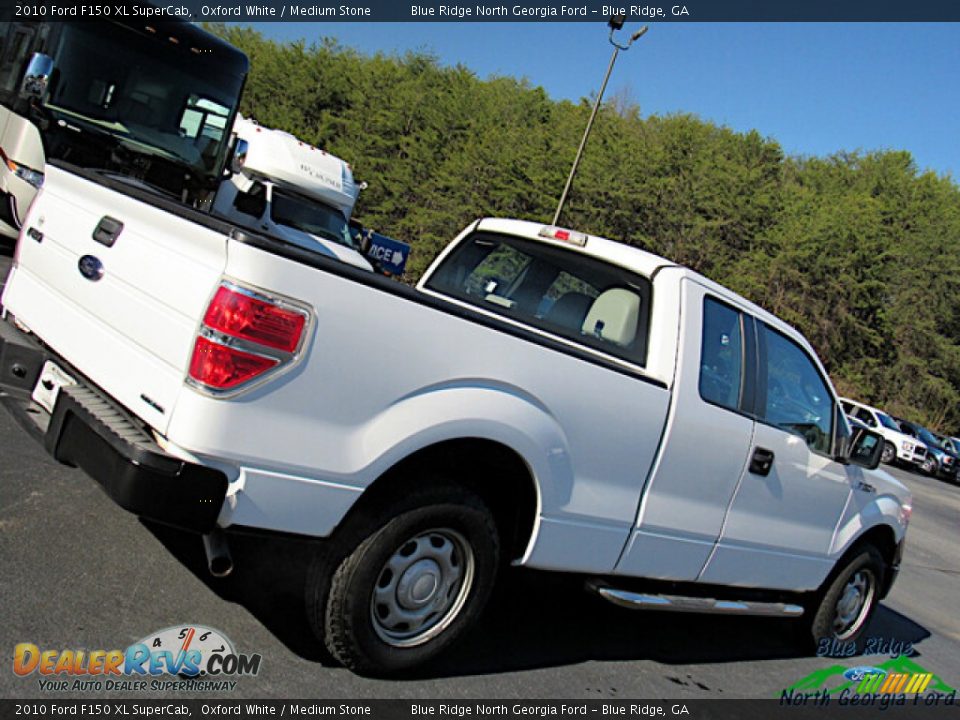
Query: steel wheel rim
pixel 854 603
pixel 422 587
pixel 928 466
pixel 888 453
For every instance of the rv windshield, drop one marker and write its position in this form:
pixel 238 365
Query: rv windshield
pixel 311 217
pixel 163 110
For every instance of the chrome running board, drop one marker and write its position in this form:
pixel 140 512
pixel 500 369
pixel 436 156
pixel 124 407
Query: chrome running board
pixel 679 603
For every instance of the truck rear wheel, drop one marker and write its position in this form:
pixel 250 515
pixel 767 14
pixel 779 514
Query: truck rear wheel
pixel 415 584
pixel 843 610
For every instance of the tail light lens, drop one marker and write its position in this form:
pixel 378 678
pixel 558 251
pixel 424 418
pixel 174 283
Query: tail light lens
pixel 245 335
pixel 223 367
pixel 250 318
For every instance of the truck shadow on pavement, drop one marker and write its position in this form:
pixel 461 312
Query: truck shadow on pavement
pixel 535 619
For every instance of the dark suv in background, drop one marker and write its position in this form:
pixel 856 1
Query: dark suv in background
pixel 941 462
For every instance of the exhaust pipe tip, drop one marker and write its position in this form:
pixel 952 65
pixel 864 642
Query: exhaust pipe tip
pixel 219 560
pixel 220 566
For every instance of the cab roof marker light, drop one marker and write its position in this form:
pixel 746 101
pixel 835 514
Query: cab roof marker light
pixel 563 235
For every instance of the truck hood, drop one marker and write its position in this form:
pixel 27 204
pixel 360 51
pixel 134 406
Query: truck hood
pixel 898 437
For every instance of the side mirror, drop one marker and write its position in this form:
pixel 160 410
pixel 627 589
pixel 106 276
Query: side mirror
pixel 239 156
pixel 37 76
pixel 865 448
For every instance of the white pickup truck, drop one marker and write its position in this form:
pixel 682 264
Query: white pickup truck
pixel 553 400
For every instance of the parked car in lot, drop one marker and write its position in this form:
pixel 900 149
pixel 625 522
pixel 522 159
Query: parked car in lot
pixel 940 462
pixel 898 445
pixel 952 446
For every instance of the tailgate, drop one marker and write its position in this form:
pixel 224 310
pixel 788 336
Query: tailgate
pixel 131 330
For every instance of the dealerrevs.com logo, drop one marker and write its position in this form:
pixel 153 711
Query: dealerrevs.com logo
pixel 182 658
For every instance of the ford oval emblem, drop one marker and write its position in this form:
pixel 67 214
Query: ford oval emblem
pixel 90 267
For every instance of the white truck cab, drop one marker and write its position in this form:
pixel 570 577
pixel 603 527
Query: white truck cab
pixel 290 189
pixel 897 444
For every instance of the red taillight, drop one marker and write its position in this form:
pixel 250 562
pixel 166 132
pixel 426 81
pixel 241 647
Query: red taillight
pixel 223 367
pixel 244 335
pixel 256 320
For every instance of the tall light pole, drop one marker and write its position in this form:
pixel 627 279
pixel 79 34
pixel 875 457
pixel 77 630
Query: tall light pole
pixel 615 23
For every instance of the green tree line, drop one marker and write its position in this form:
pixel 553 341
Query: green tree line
pixel 860 251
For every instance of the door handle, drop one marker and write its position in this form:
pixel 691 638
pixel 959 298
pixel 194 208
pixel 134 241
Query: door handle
pixel 761 461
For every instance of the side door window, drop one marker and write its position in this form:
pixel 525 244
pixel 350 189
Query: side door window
pixel 794 396
pixel 721 355
pixel 253 202
pixel 865 416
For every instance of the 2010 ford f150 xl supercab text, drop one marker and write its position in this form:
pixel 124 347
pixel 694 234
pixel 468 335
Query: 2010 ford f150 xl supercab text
pixel 554 399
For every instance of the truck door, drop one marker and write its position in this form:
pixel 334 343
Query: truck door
pixel 781 523
pixel 706 442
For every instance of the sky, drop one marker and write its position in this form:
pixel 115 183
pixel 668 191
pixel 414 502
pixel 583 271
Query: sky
pixel 816 88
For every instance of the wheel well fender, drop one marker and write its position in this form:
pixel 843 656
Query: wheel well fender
pixel 884 539
pixel 492 470
pixel 498 440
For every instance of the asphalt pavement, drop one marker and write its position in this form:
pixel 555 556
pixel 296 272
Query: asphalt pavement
pixel 76 571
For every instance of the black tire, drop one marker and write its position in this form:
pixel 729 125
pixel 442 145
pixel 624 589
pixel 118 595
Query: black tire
pixel 929 467
pixel 417 582
pixel 889 455
pixel 836 613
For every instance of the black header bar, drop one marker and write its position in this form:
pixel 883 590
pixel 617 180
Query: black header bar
pixel 882 707
pixel 486 10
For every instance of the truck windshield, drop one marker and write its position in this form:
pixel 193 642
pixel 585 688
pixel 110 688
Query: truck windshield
pixel 159 115
pixel 311 217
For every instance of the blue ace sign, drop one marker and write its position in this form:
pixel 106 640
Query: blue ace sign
pixel 389 253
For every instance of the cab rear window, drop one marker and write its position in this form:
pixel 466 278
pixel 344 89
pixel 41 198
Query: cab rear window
pixel 560 292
